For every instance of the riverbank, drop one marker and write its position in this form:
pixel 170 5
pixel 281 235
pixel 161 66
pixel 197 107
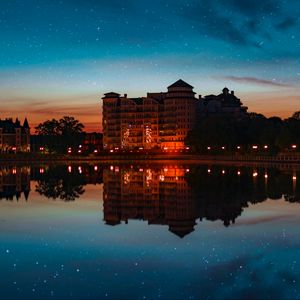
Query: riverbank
pixel 127 158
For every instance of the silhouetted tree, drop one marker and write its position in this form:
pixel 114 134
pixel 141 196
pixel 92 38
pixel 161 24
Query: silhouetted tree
pixel 296 115
pixel 60 134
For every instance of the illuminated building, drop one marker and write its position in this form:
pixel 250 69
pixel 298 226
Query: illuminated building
pixel 160 120
pixel 14 137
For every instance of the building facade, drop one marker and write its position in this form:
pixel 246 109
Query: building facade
pixel 160 120
pixel 14 137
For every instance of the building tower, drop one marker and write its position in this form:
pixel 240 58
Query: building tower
pixel 180 107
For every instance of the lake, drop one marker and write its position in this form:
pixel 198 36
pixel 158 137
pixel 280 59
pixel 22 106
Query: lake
pixel 149 231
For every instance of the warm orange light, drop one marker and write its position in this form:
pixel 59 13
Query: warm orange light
pixel 95 151
pixel 111 151
pixel 239 172
pixel 255 174
pixel 238 147
pixel 42 170
pixel 223 171
pixel 96 168
pixel 69 169
pixel 294 146
pixel 266 175
pixel 266 147
pixel 208 148
pixel 254 147
pixel 208 171
pixel 294 177
pixel 111 168
pixel 223 148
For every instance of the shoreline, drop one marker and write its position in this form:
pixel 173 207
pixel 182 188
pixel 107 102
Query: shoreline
pixel 291 159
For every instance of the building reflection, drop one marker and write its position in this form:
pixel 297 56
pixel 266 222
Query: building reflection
pixel 178 196
pixel 158 195
pixel 14 182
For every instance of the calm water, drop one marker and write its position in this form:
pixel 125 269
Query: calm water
pixel 141 232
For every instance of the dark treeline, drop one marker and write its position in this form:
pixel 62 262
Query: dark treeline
pixel 222 193
pixel 271 135
pixel 55 136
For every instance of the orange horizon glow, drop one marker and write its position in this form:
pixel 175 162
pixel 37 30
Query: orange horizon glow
pixel 89 111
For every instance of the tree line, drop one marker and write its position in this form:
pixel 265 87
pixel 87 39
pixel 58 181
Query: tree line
pixel 254 132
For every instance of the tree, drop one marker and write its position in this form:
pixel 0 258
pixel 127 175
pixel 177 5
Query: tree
pixel 49 127
pixel 58 135
pixel 65 126
pixel 70 126
pixel 296 115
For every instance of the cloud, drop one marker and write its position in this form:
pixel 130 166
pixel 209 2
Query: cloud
pixel 254 80
pixel 240 23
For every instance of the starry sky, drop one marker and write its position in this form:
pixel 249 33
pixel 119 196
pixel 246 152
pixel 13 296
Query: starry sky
pixel 58 57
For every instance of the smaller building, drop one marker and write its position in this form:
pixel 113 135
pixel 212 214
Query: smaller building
pixel 14 137
pixel 224 103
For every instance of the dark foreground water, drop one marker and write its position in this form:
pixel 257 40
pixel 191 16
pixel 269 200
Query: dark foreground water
pixel 141 232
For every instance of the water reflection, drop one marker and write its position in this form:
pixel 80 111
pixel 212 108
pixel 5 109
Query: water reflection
pixel 172 195
pixel 14 181
pixel 178 196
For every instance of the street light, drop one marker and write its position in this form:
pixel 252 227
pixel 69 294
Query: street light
pixel 266 146
pixel 294 146
pixel 254 147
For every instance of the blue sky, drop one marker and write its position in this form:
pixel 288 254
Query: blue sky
pixel 59 57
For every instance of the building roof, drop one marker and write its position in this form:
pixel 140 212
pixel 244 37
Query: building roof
pixel 9 126
pixel 137 100
pixel 180 83
pixel 111 95
pixel 25 125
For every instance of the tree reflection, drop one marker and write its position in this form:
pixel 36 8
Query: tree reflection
pixel 57 183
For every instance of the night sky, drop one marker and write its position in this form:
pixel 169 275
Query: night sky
pixel 59 57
